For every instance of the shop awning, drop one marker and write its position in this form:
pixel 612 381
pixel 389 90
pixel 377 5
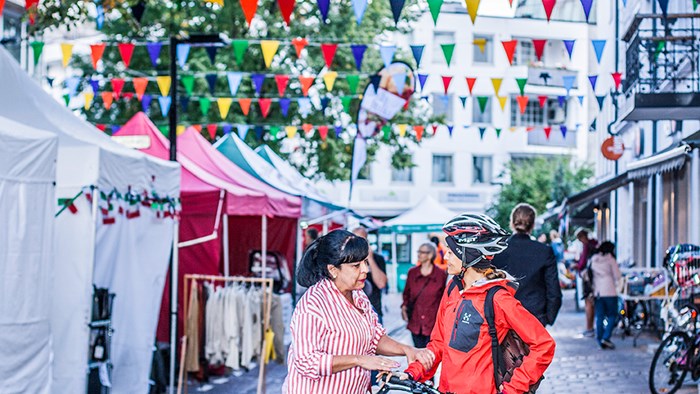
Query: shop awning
pixel 668 160
pixel 598 190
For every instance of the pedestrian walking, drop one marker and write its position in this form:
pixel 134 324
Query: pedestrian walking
pixel 336 335
pixel 421 295
pixel 588 246
pixel 533 265
pixel 606 278
pixel 310 235
pixel 440 253
pixel 461 340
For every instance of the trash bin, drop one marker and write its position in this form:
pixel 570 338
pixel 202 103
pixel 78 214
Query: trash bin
pixel 403 275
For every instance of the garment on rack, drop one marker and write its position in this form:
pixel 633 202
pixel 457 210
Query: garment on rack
pixel 192 332
pixel 232 331
pixel 277 325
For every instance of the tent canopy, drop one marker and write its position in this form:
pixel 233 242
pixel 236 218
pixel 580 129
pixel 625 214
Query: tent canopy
pixel 427 216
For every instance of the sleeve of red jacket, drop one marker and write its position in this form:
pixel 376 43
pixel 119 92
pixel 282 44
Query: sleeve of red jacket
pixel 436 345
pixel 531 332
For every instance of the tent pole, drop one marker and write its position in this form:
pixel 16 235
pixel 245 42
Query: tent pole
pixel 395 265
pixel 261 376
pixel 173 304
pixel 297 260
pixel 263 246
pixel 325 227
pixel 226 246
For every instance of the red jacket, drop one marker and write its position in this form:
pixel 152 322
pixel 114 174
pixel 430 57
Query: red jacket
pixel 460 340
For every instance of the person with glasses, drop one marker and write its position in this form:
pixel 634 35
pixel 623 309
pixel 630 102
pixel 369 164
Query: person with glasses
pixel 421 296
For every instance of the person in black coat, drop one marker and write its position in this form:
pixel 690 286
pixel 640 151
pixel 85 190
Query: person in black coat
pixel 533 265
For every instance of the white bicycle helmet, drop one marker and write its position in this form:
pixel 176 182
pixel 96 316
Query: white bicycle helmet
pixel 475 231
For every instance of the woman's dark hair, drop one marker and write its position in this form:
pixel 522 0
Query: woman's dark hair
pixel 335 248
pixel 522 218
pixel 606 247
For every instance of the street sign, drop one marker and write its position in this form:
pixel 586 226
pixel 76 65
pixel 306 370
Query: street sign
pixel 613 148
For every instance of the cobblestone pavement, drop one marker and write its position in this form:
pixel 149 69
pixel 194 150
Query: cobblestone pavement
pixel 579 366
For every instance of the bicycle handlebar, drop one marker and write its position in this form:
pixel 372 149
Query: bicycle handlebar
pixel 409 386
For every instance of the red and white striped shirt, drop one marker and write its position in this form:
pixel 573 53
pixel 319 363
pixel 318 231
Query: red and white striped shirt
pixel 325 324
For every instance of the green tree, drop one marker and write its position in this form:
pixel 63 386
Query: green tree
pixel 538 181
pixel 329 159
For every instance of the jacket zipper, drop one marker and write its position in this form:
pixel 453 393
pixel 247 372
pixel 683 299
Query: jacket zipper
pixel 454 330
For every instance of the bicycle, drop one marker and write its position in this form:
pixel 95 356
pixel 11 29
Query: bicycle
pixel 394 383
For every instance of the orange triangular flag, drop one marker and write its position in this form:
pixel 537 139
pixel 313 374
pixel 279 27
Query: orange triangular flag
pixel 107 99
pixel 470 84
pixel 306 83
pixel 299 45
pixel 96 52
pixel 308 128
pixel 249 8
pixel 140 86
pixel 522 103
pixel 419 132
pixel 509 47
pixel 245 105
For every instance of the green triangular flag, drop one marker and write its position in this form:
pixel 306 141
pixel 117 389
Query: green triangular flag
pixel 204 104
pixel 239 48
pixel 346 100
pixel 273 132
pixel 386 130
pixel 188 83
pixel 498 133
pixel 66 98
pixel 164 130
pixel 353 81
pixel 659 48
pixel 695 4
pixel 448 50
pixel 482 102
pixel 521 85
pixel 435 6
pixel 37 48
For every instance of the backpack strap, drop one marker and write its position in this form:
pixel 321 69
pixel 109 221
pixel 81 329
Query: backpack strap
pixel 455 283
pixel 491 320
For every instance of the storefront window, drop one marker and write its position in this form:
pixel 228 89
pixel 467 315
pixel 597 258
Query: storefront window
pixel 675 208
pixel 640 222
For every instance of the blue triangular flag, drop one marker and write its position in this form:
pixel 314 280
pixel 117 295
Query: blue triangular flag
pixel 482 131
pixel 598 47
pixel 153 49
pixel 338 131
pixel 387 53
pixel 324 103
pixel 421 79
pixel 374 80
pixel 600 99
pixel 183 51
pixel 359 6
pixel 234 81
pixel 580 100
pixel 562 101
pixel 226 128
pixel 568 82
pixel 164 102
pixel 184 103
pixel 304 106
pixel 242 130
pixel 146 102
pixel 284 106
pixel 563 131
pixel 569 44
pixel 426 98
pixel 258 80
pixel 399 81
pixel 95 84
pixel 72 84
pixel 593 79
pixel 624 3
pixel 463 99
pixel 323 6
pixel 358 52
pixel 396 7
pixel 417 53
pixel 259 132
pixel 587 4
pixel 50 81
pixel 450 128
pixel 664 7
pixel 211 52
pixel 100 18
pixel 211 81
pixel 115 129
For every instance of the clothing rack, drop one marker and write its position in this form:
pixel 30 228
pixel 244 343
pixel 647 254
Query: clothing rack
pixel 266 286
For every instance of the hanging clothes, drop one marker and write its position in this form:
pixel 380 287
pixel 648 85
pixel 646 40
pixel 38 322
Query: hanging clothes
pixel 193 335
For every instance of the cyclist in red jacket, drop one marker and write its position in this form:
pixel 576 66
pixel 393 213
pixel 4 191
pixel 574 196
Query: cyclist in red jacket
pixel 460 339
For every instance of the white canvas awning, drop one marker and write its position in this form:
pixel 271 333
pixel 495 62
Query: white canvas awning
pixel 427 216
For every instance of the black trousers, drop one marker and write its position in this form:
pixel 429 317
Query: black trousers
pixel 420 341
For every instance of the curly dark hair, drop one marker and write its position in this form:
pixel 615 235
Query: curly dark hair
pixel 335 248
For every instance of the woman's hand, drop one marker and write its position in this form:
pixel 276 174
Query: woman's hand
pixel 423 356
pixel 376 363
pixel 404 314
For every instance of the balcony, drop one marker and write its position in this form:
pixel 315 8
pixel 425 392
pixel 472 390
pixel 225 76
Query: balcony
pixel 662 80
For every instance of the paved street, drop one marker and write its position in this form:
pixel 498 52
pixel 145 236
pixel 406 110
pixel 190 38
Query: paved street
pixel 579 366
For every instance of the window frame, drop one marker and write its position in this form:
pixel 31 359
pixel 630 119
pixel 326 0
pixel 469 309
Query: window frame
pixel 450 178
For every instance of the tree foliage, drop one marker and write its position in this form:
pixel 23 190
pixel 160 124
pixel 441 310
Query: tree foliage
pixel 328 159
pixel 538 181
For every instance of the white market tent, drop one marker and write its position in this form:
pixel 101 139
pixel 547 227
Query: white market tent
pixel 27 199
pixel 130 256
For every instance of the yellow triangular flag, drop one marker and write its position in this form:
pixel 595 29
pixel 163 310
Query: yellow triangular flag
pixel 513 129
pixel 88 99
pixel 472 7
pixel 503 101
pixel 179 129
pixel 224 106
pixel 67 50
pixel 481 43
pixel 219 2
pixel 329 79
pixel 402 129
pixel 269 49
pixel 496 84
pixel 291 131
pixel 163 85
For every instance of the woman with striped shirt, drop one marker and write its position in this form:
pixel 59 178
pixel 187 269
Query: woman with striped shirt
pixel 336 335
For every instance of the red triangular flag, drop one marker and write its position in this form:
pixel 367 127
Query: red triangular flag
pixel 329 53
pixel 509 47
pixel 2 5
pixel 419 132
pixel 31 7
pixel 547 131
pixel 127 96
pixel 282 81
pixel 470 84
pixel 299 45
pixel 117 86
pixel 617 77
pixel 265 106
pixel 197 127
pixel 306 83
pixel 245 105
pixel 308 128
pixel 286 8
pixel 522 103
pixel 435 127
pixel 96 52
pixel 211 129
pixel 529 129
pixel 107 99
pixel 249 8
pixel 126 49
pixel 548 7
pixel 543 99
pixel 446 82
pixel 539 48
pixel 100 126
pixel 323 132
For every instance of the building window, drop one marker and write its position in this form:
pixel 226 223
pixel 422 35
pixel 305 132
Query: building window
pixel 402 175
pixel 439 38
pixel 535 115
pixel 10 23
pixel 485 56
pixel 524 52
pixel 442 169
pixel 442 106
pixel 477 115
pixel 482 169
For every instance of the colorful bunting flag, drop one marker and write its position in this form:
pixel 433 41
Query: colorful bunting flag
pixel 593 79
pixel 299 45
pixel 265 104
pixel 548 7
pixel 153 49
pixel 587 4
pixel 72 85
pixel 569 44
pixel 182 52
pixel 419 132
pixel 249 8
pixel 539 48
pixel 664 7
pixel 358 52
pixel 617 78
pixel 89 96
pixel 306 83
pixel 329 79
pixel 269 49
pixel 163 82
pixel 234 81
pixel 434 127
pixel 66 99
pixel 387 54
pixel 138 9
pixel 542 100
pixel 242 130
pixel 448 51
pixel 417 51
pixel 450 128
pixel 521 85
pixel 140 85
pixel 66 52
pixel 496 82
pixel 502 101
pixel 211 129
pixel 204 105
pixel 226 128
pixel 117 86
pixel 323 6
pixel 482 131
pixel 95 85
pixel 291 131
pixel 434 6
pixel 561 100
pixel 329 53
pixel 184 103
pixel 323 132
pixel 580 100
pixel 359 6
pixel 284 106
pixel 480 43
pixel 472 8
pixel 399 80
pixel 244 103
pixel 286 8
pixel 239 49
pixel 563 130
pixel 598 47
pixel 482 100
pixel 470 84
pixel 522 103
pixel 37 46
pixel 126 50
pixel 547 131
pixel 509 47
pixel 224 104
pixel 346 101
pixel 600 99
pixel 568 82
pixel 211 82
pixel 308 129
pixel 422 78
pixel 396 8
pixel 446 80
pixel 304 106
pixel 498 133
pixel 402 129
pixel 353 81
pixel 96 52
pixel 282 80
pixel 100 17
pixel 258 81
pixel 164 102
pixel 146 102
pixel 463 99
